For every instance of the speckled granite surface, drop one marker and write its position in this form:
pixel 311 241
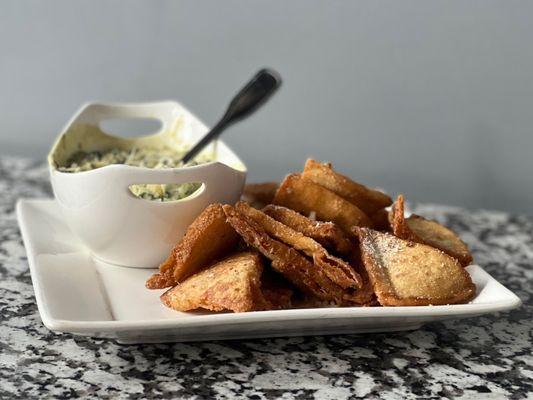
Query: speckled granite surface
pixel 488 357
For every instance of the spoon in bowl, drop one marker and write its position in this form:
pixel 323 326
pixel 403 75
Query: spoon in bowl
pixel 254 94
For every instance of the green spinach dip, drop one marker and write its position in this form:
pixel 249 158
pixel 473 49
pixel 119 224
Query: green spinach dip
pixel 141 157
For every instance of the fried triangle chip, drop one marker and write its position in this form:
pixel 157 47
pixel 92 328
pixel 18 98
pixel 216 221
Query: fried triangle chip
pixel 327 234
pixel 307 197
pixel 233 284
pixel 259 194
pixel 207 239
pixel 405 273
pixel 285 260
pixel 336 269
pixel 368 200
pixel 421 230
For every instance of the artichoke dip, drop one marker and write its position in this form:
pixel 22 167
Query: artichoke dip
pixel 141 157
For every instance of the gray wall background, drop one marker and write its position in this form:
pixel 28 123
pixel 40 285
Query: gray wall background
pixel 433 99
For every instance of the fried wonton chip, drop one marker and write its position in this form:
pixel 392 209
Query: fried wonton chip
pixel 307 197
pixel 233 284
pixel 207 239
pixel 259 194
pixel 363 297
pixel 327 234
pixel 421 230
pixel 285 260
pixel 404 273
pixel 397 220
pixel 336 269
pixel 368 200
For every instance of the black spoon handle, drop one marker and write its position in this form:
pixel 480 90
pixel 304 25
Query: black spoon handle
pixel 250 98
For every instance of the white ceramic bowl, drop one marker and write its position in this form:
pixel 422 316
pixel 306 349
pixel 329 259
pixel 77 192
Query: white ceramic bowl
pixel 98 206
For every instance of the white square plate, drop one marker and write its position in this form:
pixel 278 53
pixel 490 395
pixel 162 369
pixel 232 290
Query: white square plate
pixel 78 294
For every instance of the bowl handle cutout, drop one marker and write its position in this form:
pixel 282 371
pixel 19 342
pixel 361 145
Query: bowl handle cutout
pixel 163 112
pixel 131 127
pixel 166 192
pixel 215 180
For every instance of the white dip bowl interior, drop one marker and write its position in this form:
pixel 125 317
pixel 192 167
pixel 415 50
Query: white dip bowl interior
pixel 115 225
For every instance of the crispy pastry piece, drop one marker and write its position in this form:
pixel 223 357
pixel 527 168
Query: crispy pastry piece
pixel 336 269
pixel 232 284
pixel 404 273
pixel 368 200
pixel 285 260
pixel 307 197
pixel 397 220
pixel 421 230
pixel 260 194
pixel 327 234
pixel 363 297
pixel 207 239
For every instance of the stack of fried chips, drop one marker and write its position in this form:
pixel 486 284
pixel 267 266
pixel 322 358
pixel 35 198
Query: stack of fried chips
pixel 318 238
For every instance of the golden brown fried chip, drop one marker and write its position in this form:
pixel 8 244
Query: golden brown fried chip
pixel 327 234
pixel 307 197
pixel 397 220
pixel 366 199
pixel 336 269
pixel 421 230
pixel 405 273
pixel 232 284
pixel 163 278
pixel 259 194
pixel 207 239
pixel 285 260
pixel 435 235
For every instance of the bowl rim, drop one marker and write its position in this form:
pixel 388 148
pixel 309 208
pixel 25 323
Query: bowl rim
pixel 126 167
pixel 242 168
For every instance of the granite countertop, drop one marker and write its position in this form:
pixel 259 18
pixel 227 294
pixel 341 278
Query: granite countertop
pixel 484 357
